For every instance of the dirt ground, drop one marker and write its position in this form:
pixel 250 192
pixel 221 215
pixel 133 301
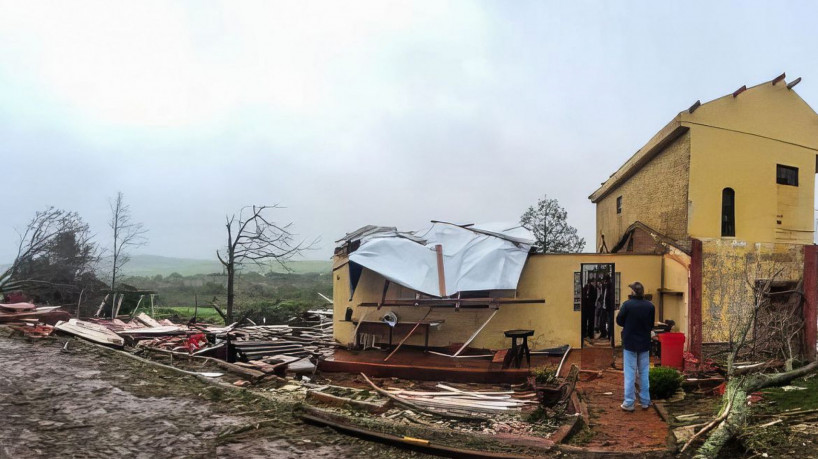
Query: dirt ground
pixel 613 429
pixel 87 402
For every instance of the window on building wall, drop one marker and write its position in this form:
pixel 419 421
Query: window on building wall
pixel 728 212
pixel 786 175
pixel 619 205
pixel 617 290
pixel 577 292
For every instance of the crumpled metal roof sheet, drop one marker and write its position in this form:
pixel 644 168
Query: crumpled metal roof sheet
pixel 474 258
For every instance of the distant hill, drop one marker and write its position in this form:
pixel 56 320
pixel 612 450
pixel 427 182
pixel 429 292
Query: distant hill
pixel 151 265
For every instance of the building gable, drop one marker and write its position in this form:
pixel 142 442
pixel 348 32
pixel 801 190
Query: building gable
pixel 766 110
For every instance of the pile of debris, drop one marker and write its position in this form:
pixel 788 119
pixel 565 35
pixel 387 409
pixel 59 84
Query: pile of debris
pixel 474 401
pixel 26 312
pixel 259 349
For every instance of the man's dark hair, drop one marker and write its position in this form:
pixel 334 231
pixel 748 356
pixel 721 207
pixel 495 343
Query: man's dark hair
pixel 638 289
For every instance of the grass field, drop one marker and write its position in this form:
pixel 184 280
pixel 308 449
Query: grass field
pixel 205 314
pixel 152 265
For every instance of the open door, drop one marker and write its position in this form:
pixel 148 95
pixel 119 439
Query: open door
pixel 598 300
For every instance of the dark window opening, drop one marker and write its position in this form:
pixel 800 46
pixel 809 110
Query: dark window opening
pixel 577 292
pixel 728 213
pixel 786 175
pixel 619 205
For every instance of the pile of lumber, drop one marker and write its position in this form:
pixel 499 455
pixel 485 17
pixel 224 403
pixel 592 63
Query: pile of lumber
pixel 318 334
pixel 259 341
pixel 480 401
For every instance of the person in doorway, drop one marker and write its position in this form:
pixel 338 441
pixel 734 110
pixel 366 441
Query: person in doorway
pixel 606 318
pixel 599 308
pixel 636 318
pixel 588 302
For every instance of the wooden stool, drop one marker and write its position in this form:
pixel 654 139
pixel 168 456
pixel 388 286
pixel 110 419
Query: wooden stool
pixel 515 355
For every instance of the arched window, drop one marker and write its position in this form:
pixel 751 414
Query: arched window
pixel 728 212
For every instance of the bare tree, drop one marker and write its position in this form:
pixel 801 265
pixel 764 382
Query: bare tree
pixel 253 237
pixel 127 235
pixel 548 222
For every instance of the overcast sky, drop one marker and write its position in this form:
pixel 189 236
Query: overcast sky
pixel 353 113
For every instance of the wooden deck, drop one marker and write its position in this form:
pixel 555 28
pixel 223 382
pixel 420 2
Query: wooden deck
pixel 414 363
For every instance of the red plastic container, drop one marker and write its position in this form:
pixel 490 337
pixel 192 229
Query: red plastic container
pixel 673 345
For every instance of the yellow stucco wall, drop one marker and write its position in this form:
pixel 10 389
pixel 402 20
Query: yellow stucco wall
pixel 727 270
pixel 737 142
pixel 545 276
pixel 747 163
pixel 731 142
pixel 676 278
pixel 656 196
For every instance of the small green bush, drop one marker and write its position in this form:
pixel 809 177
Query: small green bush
pixel 664 382
pixel 545 375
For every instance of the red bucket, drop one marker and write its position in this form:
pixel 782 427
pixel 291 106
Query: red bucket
pixel 673 345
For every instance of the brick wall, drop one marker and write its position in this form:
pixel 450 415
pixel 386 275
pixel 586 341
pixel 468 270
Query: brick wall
pixel 656 195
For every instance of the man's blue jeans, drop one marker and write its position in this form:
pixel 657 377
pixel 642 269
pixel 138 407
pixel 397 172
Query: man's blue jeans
pixel 636 361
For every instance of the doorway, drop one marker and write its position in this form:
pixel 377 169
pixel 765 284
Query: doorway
pixel 598 300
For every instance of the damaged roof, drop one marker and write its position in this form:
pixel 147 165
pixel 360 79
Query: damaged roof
pixel 474 257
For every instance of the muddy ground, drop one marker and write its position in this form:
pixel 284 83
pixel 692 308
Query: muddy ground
pixel 88 402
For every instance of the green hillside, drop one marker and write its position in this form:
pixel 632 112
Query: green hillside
pixel 151 265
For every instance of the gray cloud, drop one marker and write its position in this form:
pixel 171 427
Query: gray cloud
pixel 356 113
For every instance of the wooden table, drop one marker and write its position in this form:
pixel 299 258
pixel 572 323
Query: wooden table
pixel 379 327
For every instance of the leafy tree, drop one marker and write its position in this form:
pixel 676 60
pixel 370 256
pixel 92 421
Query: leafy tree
pixel 55 258
pixel 547 221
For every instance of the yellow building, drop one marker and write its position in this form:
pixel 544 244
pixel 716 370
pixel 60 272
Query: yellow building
pixel 739 167
pixel 547 300
pixel 735 173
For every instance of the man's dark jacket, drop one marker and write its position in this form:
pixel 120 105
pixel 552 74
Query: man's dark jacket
pixel 636 317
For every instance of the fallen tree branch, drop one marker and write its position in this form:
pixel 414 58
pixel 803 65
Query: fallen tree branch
pixel 762 381
pixel 710 426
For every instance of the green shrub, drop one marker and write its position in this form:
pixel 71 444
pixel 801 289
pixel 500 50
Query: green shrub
pixel 664 382
pixel 545 375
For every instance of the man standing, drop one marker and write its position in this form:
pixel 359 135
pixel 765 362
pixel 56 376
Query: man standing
pixel 636 318
pixel 588 301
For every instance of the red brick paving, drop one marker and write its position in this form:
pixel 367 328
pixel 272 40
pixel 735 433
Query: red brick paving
pixel 614 429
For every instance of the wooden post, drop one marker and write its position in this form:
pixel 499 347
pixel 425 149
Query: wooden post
pixel 441 275
pixel 195 307
pixel 810 300
pixel 694 299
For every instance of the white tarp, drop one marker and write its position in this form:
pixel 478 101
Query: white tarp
pixel 482 257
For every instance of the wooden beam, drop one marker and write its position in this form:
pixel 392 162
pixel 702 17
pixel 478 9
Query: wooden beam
pixel 383 295
pixel 441 276
pixel 452 302
pixel 779 78
pixel 810 300
pixel 739 91
pixel 695 299
pixel 693 107
pixel 474 335
pixel 794 82
pixel 408 335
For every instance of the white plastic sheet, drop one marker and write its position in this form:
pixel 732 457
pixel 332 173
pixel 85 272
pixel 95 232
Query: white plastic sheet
pixel 474 258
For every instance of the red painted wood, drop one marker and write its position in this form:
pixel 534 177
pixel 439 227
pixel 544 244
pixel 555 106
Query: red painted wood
pixel 695 300
pixel 413 363
pixel 810 299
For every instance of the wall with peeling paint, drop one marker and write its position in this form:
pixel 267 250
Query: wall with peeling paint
pixel 550 277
